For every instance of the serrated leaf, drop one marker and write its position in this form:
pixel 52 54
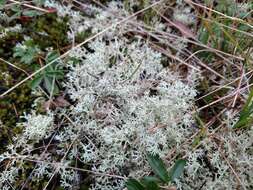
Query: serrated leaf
pixel 133 184
pixel 177 169
pixel 26 53
pixel 158 167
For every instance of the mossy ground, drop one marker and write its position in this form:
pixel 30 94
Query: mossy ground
pixel 48 31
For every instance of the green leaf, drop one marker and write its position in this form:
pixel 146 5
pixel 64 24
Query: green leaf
pixel 39 2
pixel 177 169
pixel 2 4
pixel 151 183
pixel 57 74
pixel 158 167
pixel 245 115
pixel 52 56
pixel 26 51
pixel 50 85
pixel 203 35
pixel 36 82
pixel 152 186
pixel 150 178
pixel 133 184
pixel 16 8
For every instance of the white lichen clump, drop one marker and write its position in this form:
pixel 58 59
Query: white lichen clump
pixel 128 105
pixel 37 126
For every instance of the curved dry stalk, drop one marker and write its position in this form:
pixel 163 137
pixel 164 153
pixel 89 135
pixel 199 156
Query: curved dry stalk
pixel 204 65
pixel 16 67
pixel 163 51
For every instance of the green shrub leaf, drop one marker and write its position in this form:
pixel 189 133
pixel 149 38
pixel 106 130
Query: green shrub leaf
pixel 158 167
pixel 51 56
pixel 2 4
pixel 133 184
pixel 36 81
pixel 245 117
pixel 151 183
pixel 177 169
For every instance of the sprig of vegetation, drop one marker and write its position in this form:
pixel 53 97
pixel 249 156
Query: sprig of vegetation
pixel 27 51
pixel 159 169
pixel 17 11
pixel 48 77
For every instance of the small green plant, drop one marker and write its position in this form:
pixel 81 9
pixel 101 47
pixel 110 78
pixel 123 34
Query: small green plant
pixel 16 11
pixel 162 175
pixel 30 53
pixel 49 76
pixel 27 51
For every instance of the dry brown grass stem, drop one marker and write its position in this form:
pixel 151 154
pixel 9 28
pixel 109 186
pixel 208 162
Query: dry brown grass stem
pixel 30 6
pixel 14 66
pixel 238 88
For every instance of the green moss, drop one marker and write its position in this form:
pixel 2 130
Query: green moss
pixel 47 31
pixel 14 104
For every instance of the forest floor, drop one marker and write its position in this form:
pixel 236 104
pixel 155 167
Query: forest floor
pixel 206 45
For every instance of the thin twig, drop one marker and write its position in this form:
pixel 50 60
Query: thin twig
pixel 12 65
pixel 238 88
pixel 30 6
